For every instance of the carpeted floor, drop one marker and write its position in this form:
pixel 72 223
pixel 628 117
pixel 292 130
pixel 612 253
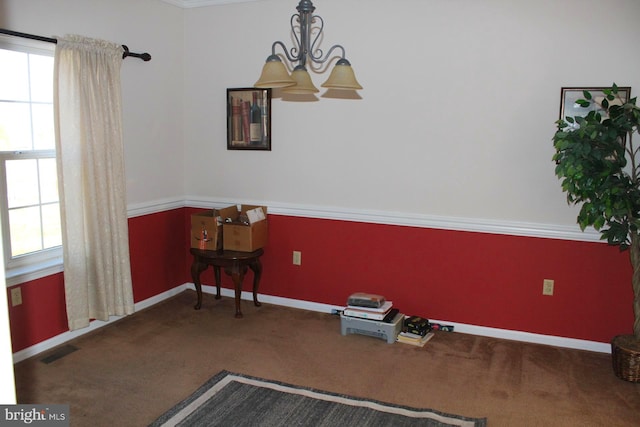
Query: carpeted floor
pixel 129 373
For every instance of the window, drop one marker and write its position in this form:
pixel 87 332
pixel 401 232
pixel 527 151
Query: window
pixel 29 206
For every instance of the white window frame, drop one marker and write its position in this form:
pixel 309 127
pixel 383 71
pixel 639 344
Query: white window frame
pixel 42 263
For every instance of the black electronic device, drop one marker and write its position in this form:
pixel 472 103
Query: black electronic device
pixel 363 299
pixel 391 315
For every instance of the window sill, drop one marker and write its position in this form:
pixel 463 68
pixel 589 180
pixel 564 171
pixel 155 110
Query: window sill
pixel 16 276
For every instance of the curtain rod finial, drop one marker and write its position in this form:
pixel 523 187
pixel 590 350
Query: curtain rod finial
pixel 144 56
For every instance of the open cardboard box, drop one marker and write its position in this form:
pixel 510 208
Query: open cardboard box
pixel 243 237
pixel 206 227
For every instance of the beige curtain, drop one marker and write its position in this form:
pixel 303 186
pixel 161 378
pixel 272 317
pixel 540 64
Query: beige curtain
pixel 90 156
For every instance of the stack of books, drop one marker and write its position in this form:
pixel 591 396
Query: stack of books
pixel 417 325
pixel 414 339
pixel 415 331
pixel 370 307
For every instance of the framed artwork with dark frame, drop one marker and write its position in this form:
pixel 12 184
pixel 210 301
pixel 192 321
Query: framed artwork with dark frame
pixel 570 95
pixel 249 119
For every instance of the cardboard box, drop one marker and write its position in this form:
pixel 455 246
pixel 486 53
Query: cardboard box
pixel 206 227
pixel 242 237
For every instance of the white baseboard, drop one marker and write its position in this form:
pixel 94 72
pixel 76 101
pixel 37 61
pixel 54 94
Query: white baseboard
pixel 458 327
pixel 96 324
pixel 311 306
pixel 530 338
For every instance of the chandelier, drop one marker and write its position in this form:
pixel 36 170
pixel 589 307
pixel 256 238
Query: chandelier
pixel 275 74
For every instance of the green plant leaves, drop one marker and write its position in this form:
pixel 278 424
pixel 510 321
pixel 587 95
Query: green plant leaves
pixel 592 154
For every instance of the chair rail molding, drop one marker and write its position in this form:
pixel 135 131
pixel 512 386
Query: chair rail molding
pixel 478 225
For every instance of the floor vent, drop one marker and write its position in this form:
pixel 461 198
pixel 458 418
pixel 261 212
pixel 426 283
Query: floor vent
pixel 59 354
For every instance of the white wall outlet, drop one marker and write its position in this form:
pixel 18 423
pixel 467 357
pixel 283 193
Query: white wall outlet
pixel 16 296
pixel 547 287
pixel 297 258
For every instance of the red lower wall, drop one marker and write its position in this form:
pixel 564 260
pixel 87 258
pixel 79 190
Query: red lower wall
pixel 473 278
pixel 156 243
pixel 42 313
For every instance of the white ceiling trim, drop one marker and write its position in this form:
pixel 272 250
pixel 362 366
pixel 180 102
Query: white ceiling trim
pixel 187 4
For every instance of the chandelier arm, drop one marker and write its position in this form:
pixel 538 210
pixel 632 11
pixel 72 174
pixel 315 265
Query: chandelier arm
pixel 319 60
pixel 284 49
pixel 297 52
pixel 312 47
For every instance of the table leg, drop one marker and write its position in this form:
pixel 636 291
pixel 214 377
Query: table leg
pixel 216 272
pixel 256 267
pixel 196 269
pixel 237 274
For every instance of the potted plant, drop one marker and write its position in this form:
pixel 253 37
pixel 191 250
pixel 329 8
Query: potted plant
pixel 600 170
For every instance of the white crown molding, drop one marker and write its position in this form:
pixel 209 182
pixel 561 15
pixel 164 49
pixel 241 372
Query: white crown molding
pixel 188 4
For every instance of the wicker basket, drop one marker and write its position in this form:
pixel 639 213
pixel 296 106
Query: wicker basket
pixel 625 355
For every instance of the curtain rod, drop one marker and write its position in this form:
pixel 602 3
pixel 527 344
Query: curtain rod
pixel 144 56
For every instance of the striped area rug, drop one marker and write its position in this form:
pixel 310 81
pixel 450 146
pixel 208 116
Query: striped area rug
pixel 230 399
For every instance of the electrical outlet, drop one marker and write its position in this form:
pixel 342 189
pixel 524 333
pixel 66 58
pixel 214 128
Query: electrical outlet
pixel 297 258
pixel 16 296
pixel 547 287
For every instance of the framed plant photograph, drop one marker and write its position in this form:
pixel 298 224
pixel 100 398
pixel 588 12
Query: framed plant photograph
pixel 569 106
pixel 249 119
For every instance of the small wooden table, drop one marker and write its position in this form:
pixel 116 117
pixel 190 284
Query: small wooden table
pixel 234 263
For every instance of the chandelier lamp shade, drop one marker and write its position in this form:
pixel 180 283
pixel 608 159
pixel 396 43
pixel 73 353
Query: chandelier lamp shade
pixel 307 31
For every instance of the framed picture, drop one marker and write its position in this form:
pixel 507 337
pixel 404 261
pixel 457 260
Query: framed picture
pixel 570 95
pixel 249 119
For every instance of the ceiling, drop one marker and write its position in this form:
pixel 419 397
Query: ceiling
pixel 201 3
